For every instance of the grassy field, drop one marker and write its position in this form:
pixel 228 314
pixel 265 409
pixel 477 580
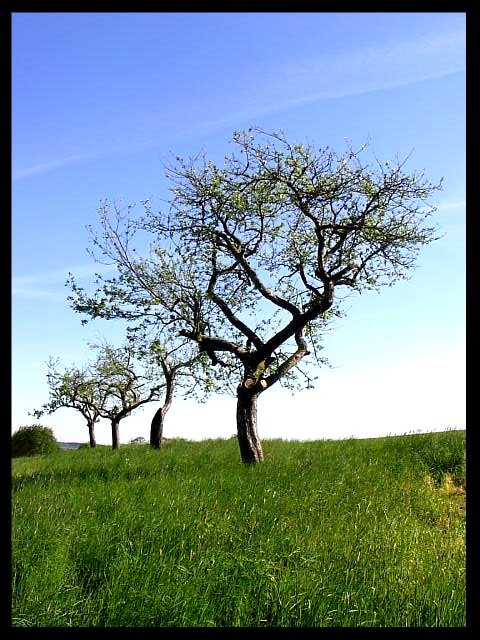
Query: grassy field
pixel 327 533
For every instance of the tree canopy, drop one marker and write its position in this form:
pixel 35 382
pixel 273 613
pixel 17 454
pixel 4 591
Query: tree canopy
pixel 74 388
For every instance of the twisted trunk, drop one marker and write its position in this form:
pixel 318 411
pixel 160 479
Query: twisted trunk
pixel 156 429
pixel 91 433
pixel 248 440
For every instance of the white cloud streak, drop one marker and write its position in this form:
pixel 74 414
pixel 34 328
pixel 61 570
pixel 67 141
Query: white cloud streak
pixel 45 285
pixel 447 206
pixel 48 166
pixel 80 157
pixel 327 76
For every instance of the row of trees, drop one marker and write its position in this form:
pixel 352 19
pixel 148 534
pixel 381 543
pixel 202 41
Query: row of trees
pixel 244 266
pixel 118 381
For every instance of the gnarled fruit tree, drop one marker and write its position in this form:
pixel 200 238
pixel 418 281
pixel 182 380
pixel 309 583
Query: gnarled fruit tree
pixel 248 259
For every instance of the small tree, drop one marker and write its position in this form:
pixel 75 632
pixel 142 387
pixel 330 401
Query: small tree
pixel 74 388
pixel 33 440
pixel 180 367
pixel 264 245
pixel 125 384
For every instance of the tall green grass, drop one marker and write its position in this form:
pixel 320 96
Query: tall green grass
pixel 325 533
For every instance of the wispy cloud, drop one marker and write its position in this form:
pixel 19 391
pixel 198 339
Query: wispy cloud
pixel 46 285
pixel 327 76
pixel 385 65
pixel 28 293
pixel 360 71
pixel 355 72
pixel 48 166
pixel 79 157
pixel 456 204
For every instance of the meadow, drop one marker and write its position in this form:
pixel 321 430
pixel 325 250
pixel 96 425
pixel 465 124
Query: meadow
pixel 350 533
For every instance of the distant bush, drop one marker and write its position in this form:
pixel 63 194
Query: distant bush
pixel 33 440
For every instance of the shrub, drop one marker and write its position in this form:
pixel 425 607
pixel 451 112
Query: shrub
pixel 33 440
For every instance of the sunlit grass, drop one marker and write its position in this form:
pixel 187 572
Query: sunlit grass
pixel 326 533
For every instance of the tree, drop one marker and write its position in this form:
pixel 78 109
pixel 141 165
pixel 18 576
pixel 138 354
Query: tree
pixel 267 243
pixel 74 388
pixel 125 386
pixel 174 369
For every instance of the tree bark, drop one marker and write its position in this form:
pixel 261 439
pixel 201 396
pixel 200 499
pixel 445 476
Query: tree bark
pixel 156 429
pixel 115 434
pixel 91 434
pixel 248 440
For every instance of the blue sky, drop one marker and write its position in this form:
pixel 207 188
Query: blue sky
pixel 101 100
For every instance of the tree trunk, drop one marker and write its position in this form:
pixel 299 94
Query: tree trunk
pixel 115 434
pixel 156 429
pixel 248 440
pixel 91 434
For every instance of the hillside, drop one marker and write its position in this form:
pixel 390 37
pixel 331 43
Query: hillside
pixel 326 533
